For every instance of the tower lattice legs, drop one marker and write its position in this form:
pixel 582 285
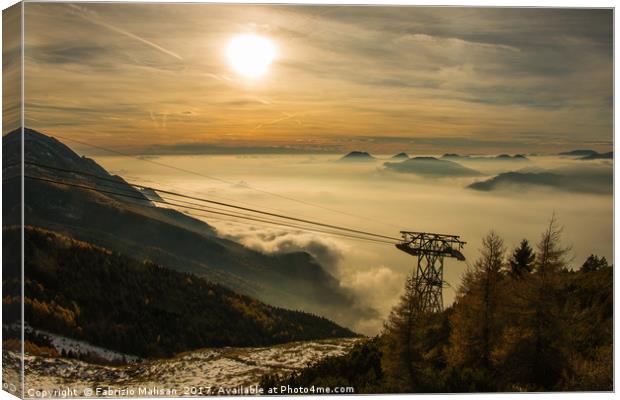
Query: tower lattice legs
pixel 430 250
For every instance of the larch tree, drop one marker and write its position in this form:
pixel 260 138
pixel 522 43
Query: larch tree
pixel 475 323
pixel 544 293
pixel 400 352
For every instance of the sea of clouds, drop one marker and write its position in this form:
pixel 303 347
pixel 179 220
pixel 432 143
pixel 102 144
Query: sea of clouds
pixel 368 196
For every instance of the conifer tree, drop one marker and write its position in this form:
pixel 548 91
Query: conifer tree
pixel 545 323
pixel 522 260
pixel 593 263
pixel 475 324
pixel 400 355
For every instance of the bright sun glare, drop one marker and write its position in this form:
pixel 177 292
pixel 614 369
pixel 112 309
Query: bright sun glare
pixel 250 55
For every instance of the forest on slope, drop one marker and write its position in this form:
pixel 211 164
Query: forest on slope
pixel 522 321
pixel 82 291
pixel 168 237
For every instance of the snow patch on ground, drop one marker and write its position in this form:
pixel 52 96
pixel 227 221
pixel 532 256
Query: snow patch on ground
pixel 228 367
pixel 61 343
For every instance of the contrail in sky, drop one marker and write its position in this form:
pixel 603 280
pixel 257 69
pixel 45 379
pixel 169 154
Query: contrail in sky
pixel 92 17
pixel 287 116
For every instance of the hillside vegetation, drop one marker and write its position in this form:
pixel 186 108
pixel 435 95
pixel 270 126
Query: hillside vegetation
pixel 85 292
pixel 167 237
pixel 521 322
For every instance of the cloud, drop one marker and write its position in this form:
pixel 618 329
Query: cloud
pixel 370 292
pixel 70 53
pixel 327 251
pixel 373 274
pixel 378 287
pixel 11 68
pixel 376 284
pixel 458 42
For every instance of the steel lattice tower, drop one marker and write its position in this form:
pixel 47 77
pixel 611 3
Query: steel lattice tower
pixel 430 250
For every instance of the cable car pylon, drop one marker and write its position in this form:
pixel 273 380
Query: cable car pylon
pixel 430 250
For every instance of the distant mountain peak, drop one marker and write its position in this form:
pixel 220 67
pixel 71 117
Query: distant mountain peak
pixel 583 154
pixel 581 181
pixel 516 157
pixel 599 156
pixel 400 156
pixel 431 167
pixel 357 156
pixel 578 153
pixel 425 158
pixel 499 157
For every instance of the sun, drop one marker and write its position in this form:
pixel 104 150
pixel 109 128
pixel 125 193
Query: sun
pixel 250 55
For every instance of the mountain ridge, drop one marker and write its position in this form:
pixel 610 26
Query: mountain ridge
pixel 164 236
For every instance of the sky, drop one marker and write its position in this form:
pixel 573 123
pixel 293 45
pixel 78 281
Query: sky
pixel 155 78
